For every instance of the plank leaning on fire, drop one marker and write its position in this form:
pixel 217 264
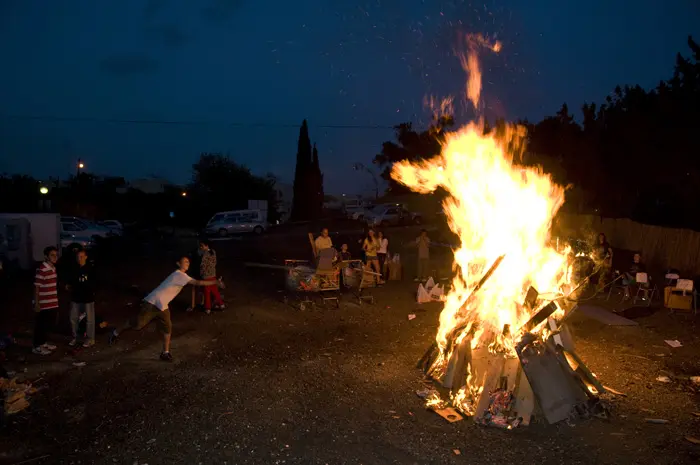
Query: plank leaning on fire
pixel 428 359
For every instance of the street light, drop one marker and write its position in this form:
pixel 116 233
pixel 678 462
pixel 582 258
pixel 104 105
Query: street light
pixel 43 190
pixel 184 194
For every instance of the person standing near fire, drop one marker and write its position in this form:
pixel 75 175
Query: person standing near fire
pixel 45 301
pixel 423 245
pixel 155 306
pixel 81 284
pixel 207 270
pixel 382 252
pixel 371 245
pixel 602 256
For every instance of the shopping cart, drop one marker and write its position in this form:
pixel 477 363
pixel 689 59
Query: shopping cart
pixel 303 280
pixel 359 279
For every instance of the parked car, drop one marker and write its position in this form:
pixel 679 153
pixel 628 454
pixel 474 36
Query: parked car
pixel 87 228
pixel 113 225
pixel 392 215
pixel 223 224
pixel 74 242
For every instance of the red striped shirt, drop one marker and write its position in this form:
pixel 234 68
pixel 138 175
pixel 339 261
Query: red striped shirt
pixel 46 282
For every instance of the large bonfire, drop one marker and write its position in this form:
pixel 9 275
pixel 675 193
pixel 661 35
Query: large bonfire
pixel 502 214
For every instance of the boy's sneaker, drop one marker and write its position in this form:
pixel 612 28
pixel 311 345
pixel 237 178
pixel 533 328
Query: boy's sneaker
pixel 41 351
pixel 73 342
pixel 207 311
pixel 49 346
pixel 89 343
pixel 166 357
pixel 112 338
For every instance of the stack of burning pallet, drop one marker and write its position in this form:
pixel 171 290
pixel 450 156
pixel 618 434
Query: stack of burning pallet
pixel 540 374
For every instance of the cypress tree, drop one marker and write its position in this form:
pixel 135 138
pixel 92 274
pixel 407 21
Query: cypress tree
pixel 300 202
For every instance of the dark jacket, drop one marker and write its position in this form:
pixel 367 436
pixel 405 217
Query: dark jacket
pixel 83 284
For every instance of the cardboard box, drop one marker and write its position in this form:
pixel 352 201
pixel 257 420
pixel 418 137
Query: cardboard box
pixel 678 299
pixel 395 271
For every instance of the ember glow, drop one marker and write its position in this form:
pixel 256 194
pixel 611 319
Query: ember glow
pixel 497 209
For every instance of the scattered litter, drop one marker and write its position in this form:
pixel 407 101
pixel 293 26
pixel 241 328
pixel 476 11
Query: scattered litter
pixel 656 421
pixel 104 324
pixel 79 364
pixel 695 379
pixel 675 343
pixel 396 416
pixel 500 402
pixel 456 451
pixel 617 434
pixel 696 414
pixel 15 395
pixel 392 411
pixel 411 316
pixel 663 379
pixel 449 414
pixel 151 441
pixel 614 391
pixel 424 393
pixel 326 355
pixel 692 439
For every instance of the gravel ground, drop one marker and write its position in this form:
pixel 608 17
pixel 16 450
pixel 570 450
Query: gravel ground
pixel 265 383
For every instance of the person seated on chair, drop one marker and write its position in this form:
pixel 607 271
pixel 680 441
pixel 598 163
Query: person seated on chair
pixel 323 241
pixel 629 278
pixel 637 266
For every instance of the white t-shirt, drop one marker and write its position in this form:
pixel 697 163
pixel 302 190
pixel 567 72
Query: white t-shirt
pixel 162 295
pixel 383 245
pixel 323 243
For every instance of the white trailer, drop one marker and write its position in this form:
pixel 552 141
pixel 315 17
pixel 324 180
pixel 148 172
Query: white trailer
pixel 27 234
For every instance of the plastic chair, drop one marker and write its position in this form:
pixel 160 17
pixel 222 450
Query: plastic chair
pixel 645 288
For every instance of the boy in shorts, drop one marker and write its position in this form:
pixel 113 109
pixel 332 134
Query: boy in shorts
pixel 155 306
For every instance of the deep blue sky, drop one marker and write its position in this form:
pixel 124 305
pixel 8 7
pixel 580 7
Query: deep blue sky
pixel 278 62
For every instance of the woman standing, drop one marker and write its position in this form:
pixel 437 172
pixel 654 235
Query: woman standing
pixel 371 245
pixel 381 252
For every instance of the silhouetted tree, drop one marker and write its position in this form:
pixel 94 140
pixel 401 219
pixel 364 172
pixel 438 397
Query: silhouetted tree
pixel 308 180
pixel 220 184
pixel 411 145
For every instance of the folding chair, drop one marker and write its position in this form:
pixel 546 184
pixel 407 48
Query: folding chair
pixel 645 288
pixel 617 284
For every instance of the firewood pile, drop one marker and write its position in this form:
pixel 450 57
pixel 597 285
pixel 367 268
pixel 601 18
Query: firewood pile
pixel 538 374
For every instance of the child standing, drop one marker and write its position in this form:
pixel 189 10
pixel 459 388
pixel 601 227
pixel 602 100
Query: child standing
pixel 45 301
pixel 81 284
pixel 207 269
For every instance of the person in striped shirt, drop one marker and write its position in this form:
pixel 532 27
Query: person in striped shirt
pixel 45 301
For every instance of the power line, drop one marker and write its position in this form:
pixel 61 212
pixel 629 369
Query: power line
pixel 185 122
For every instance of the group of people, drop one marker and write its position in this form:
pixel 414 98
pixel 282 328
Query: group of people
pixel 81 282
pixel 375 250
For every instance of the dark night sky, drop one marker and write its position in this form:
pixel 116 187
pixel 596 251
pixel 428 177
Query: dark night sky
pixel 274 63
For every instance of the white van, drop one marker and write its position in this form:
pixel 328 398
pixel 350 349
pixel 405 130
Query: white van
pixel 223 224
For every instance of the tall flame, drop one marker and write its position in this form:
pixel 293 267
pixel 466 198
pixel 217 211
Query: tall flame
pixel 496 208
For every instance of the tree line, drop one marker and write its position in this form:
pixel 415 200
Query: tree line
pixel 634 155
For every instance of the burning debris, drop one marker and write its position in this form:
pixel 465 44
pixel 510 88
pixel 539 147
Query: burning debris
pixel 503 350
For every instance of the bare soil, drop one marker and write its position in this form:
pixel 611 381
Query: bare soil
pixel 263 382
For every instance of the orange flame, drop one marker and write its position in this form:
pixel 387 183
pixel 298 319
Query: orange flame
pixel 496 208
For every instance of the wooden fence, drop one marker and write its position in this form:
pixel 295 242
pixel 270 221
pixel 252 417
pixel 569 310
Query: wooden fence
pixel 661 248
